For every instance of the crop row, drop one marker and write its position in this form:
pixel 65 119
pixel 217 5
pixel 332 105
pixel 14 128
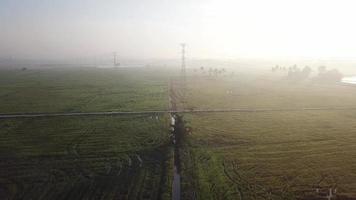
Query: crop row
pixel 84 158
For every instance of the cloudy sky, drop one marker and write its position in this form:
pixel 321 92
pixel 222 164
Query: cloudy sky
pixel 154 28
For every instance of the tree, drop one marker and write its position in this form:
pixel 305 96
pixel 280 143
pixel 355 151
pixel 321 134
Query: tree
pixel 210 71
pixel 306 72
pixel 322 69
pixel 329 75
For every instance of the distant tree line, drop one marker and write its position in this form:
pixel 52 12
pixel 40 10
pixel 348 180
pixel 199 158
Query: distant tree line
pixel 213 72
pixel 297 74
pixel 332 75
pixel 278 68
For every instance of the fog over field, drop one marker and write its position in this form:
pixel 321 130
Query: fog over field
pixel 171 100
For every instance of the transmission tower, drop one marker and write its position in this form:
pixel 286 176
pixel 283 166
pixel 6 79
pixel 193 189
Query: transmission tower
pixel 183 61
pixel 115 62
pixel 183 73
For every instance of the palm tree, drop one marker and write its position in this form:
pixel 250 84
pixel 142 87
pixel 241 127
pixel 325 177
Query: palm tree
pixel 210 71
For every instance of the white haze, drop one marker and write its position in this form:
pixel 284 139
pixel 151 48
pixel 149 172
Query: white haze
pixel 214 29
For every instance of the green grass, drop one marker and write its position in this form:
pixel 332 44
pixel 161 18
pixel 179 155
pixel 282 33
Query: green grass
pixel 270 155
pixel 81 89
pixel 91 135
pixel 275 149
pixel 264 91
pixel 262 155
pixel 85 157
pixel 116 157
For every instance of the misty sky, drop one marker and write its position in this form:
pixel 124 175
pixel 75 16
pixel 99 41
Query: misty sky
pixel 154 28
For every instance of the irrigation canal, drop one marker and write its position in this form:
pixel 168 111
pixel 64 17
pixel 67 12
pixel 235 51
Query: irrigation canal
pixel 176 125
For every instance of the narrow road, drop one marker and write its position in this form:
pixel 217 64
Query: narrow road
pixel 157 112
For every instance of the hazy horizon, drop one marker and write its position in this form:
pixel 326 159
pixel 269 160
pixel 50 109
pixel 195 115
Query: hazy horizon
pixel 153 29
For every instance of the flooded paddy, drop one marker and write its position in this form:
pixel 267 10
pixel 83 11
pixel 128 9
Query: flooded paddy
pixel 349 80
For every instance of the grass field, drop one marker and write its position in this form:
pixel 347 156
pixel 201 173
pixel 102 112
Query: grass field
pixel 81 89
pixel 269 155
pixel 266 91
pixel 250 155
pixel 75 158
pixel 88 157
